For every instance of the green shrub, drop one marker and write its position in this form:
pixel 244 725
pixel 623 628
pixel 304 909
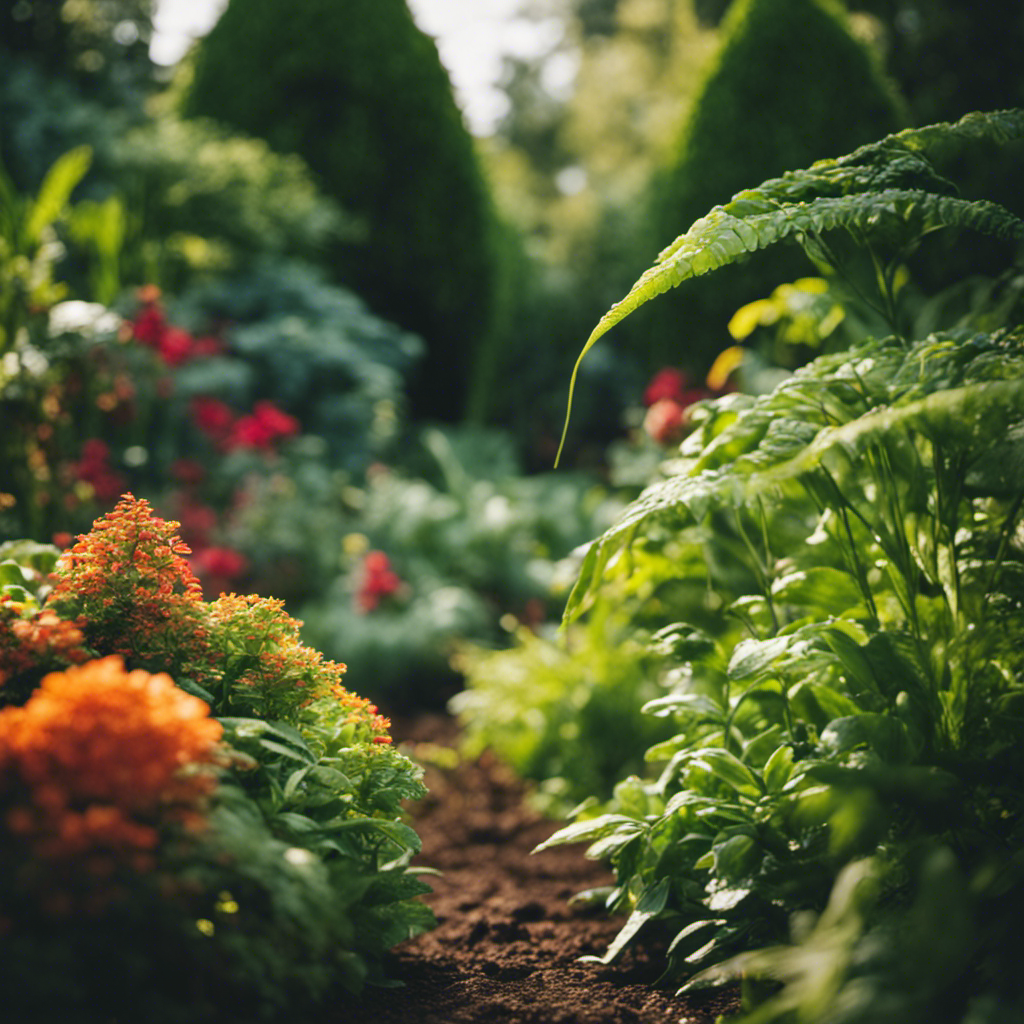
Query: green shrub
pixel 844 772
pixel 198 820
pixel 203 199
pixel 359 91
pixel 790 85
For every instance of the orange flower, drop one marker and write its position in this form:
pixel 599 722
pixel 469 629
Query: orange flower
pixel 44 640
pixel 104 756
pixel 129 580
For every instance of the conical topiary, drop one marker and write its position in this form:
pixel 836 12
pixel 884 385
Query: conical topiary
pixel 790 85
pixel 359 91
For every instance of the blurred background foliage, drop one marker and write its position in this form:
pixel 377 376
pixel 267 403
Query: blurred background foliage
pixel 328 237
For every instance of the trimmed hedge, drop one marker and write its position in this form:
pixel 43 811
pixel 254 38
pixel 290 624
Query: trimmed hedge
pixel 790 85
pixel 359 91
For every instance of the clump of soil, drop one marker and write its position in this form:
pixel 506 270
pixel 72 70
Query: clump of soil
pixel 507 947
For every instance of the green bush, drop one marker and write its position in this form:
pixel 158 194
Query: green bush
pixel 359 91
pixel 790 85
pixel 844 773
pixel 199 822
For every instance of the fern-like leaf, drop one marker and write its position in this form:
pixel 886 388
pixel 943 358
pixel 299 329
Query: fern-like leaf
pixel 969 416
pixel 890 187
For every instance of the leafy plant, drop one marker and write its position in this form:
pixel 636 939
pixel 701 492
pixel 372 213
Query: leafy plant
pixel 767 104
pixel 238 826
pixel 845 716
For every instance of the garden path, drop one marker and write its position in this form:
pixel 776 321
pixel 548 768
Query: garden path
pixel 507 945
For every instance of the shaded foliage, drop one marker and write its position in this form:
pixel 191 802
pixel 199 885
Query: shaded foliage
pixel 771 101
pixel 359 91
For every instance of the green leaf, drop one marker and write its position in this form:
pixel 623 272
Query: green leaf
pixel 886 735
pixel 579 831
pixel 289 752
pixel 397 831
pixel 778 768
pixel 294 781
pixel 736 858
pixel 608 846
pixel 684 703
pixel 731 770
pixel 55 191
pixel 833 591
pixel 682 642
pixel 12 574
pixel 650 905
pixel 753 657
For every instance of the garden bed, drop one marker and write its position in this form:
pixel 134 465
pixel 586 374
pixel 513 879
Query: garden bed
pixel 507 944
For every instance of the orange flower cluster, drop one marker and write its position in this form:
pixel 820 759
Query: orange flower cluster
pixel 129 580
pixel 99 759
pixel 362 712
pixel 43 639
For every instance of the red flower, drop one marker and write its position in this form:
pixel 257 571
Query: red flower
pixel 175 346
pixel 665 421
pixel 379 580
pixel 213 417
pixel 225 563
pixel 149 326
pixel 262 428
pixel 666 383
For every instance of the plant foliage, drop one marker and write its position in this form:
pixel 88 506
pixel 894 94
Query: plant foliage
pixel 887 193
pixel 843 774
pixel 227 841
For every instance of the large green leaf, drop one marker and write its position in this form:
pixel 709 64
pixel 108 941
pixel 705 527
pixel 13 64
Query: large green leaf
pixel 969 416
pixel 889 188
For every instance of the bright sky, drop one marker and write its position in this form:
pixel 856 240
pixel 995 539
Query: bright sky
pixel 472 36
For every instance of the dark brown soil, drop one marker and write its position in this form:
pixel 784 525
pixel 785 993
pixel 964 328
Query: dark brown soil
pixel 507 947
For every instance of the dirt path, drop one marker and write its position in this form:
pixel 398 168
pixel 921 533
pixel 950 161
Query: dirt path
pixel 507 946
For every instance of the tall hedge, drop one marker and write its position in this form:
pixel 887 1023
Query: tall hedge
pixel 359 91
pixel 790 85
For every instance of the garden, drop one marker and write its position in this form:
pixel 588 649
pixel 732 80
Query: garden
pixel 571 573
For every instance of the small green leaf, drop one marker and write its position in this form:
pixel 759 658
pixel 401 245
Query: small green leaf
pixel 55 191
pixel 778 769
pixel 650 905
pixel 736 858
pixel 833 591
pixel 580 831
pixel 294 781
pixel 684 704
pixel 751 657
pixel 730 769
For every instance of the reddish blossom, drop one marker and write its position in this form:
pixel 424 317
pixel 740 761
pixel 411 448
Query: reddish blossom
pixel 223 563
pixel 150 324
pixel 175 346
pixel 213 417
pixel 379 581
pixel 665 421
pixel 666 383
pixel 266 425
